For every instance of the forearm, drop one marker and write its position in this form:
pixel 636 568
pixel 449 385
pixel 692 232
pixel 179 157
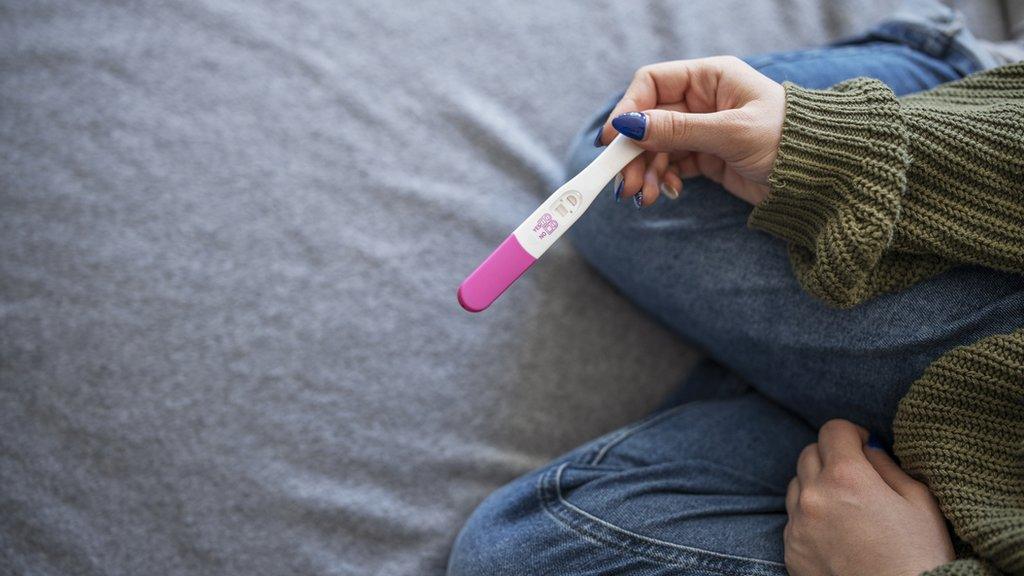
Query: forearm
pixel 875 193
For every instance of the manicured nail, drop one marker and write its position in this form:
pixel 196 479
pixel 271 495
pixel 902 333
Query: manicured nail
pixel 669 191
pixel 618 187
pixel 638 199
pixel 875 442
pixel 597 139
pixel 632 124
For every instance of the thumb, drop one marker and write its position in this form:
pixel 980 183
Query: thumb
pixel 670 131
pixel 891 473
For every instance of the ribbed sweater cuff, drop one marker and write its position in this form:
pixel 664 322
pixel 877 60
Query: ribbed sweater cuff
pixel 967 567
pixel 836 184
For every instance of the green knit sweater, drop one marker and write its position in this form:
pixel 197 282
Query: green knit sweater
pixel 875 193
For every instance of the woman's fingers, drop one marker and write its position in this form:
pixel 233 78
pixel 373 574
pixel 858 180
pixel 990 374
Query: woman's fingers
pixel 647 177
pixel 688 166
pixel 654 85
pixel 713 107
pixel 673 86
pixel 711 167
pixel 893 475
pixel 671 183
pixel 792 495
pixel 656 166
pixel 633 178
pixel 808 465
pixel 841 441
pixel 670 131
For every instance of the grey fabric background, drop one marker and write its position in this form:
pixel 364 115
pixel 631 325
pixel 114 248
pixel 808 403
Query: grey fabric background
pixel 232 232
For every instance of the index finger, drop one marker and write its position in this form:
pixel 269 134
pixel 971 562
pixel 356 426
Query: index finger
pixel 841 440
pixel 894 476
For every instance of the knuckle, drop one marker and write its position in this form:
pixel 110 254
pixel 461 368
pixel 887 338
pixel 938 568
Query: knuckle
pixel 812 502
pixel 836 426
pixel 793 484
pixel 808 452
pixel 677 127
pixel 844 474
pixel 789 557
pixel 725 62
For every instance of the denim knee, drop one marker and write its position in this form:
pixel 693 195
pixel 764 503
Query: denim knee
pixel 527 528
pixel 507 534
pixel 656 498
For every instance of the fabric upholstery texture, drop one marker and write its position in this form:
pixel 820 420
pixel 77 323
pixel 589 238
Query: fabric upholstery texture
pixel 232 233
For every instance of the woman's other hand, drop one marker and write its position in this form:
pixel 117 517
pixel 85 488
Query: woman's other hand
pixel 852 510
pixel 715 117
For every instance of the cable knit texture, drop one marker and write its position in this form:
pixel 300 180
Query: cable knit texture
pixel 875 193
pixel 972 457
pixel 970 567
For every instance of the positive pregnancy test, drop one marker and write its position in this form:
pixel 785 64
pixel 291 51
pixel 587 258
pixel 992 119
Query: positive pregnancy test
pixel 544 227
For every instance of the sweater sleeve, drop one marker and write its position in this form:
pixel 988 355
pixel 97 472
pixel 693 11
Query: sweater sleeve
pixel 875 193
pixel 965 567
pixel 960 430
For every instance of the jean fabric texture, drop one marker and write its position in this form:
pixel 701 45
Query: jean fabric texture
pixel 698 488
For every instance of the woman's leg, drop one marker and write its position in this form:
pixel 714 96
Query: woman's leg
pixel 699 488
pixel 696 489
pixel 694 264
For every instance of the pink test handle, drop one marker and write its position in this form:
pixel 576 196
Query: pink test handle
pixel 542 228
pixel 494 275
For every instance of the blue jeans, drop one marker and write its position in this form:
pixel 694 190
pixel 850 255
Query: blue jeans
pixel 699 488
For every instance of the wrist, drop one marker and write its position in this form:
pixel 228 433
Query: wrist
pixel 836 184
pixel 826 140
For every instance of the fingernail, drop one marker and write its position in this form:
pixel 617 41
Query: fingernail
pixel 669 191
pixel 597 139
pixel 618 187
pixel 875 442
pixel 638 199
pixel 632 124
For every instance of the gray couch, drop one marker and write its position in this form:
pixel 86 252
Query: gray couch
pixel 232 233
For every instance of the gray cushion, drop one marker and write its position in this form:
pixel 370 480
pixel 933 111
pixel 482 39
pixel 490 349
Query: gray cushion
pixel 232 233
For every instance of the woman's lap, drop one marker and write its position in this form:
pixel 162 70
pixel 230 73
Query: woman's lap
pixel 699 488
pixel 694 265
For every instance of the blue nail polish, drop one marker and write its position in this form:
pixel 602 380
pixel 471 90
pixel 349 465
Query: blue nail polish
pixel 875 442
pixel 618 191
pixel 638 199
pixel 631 124
pixel 597 139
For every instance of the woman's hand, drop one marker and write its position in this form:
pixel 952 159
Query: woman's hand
pixel 852 510
pixel 715 117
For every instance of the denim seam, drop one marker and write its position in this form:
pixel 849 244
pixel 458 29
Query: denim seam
pixel 847 52
pixel 601 450
pixel 918 37
pixel 956 55
pixel 598 531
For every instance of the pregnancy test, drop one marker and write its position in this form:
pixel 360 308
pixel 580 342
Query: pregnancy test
pixel 536 234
